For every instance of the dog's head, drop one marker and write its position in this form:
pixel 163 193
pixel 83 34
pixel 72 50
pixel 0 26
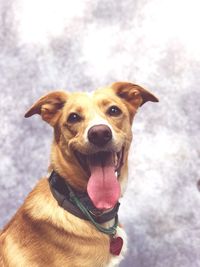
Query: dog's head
pixel 92 136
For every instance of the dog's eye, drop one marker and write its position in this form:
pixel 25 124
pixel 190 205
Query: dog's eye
pixel 73 118
pixel 114 111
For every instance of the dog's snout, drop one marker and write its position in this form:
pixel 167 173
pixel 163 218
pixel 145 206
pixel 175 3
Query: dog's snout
pixel 99 135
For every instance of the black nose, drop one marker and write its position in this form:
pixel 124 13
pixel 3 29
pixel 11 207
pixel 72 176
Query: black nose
pixel 99 135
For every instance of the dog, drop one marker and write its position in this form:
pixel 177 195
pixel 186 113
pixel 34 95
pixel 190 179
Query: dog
pixel 70 217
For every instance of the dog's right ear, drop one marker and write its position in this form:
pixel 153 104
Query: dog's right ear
pixel 49 107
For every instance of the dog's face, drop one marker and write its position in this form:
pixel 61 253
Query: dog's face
pixel 93 134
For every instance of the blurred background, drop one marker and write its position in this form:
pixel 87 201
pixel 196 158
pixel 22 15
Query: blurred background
pixel 79 46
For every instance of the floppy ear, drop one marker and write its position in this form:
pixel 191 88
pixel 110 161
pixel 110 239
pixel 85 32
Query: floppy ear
pixel 49 107
pixel 133 93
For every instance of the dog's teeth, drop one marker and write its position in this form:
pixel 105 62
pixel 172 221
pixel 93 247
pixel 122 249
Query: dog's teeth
pixel 117 174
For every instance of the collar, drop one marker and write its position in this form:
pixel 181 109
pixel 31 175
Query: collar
pixel 64 195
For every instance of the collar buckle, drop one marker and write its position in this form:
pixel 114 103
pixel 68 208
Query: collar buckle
pixel 96 212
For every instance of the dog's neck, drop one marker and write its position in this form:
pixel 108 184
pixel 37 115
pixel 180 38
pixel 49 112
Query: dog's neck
pixel 61 192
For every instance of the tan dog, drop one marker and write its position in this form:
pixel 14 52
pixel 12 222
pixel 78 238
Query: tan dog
pixel 92 136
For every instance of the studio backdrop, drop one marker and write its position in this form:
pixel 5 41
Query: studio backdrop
pixel 82 45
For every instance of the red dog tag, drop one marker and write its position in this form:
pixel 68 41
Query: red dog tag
pixel 116 244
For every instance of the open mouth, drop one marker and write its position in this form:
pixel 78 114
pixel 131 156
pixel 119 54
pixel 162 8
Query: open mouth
pixel 103 169
pixel 116 158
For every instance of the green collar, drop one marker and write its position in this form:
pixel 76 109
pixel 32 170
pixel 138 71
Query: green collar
pixel 80 205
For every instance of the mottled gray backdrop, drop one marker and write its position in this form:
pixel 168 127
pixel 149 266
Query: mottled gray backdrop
pixel 81 45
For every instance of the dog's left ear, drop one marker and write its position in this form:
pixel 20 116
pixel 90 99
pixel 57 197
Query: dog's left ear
pixel 49 107
pixel 133 95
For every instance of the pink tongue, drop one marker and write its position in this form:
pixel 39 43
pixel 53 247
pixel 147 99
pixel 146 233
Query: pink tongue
pixel 103 187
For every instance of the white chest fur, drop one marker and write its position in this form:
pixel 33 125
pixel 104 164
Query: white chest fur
pixel 115 260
